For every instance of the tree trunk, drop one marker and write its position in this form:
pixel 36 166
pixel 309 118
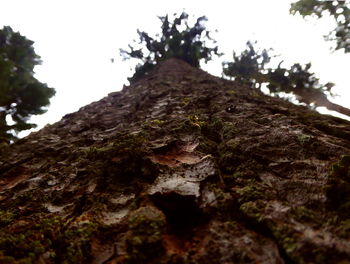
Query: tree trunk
pixel 180 167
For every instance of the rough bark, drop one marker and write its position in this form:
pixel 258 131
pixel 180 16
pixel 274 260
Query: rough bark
pixel 180 167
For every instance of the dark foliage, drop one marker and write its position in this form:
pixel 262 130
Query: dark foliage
pixel 299 81
pixel 339 10
pixel 177 39
pixel 250 68
pixel 21 94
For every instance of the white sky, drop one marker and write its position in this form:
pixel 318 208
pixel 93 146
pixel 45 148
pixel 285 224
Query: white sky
pixel 77 38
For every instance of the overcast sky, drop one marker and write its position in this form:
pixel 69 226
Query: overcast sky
pixel 76 40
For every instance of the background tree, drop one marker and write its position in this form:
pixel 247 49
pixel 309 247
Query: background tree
pixel 177 40
pixel 339 10
pixel 250 67
pixel 21 94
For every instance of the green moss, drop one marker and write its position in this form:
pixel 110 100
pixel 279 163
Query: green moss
pixel 124 144
pixel 24 246
pixel 287 239
pixel 144 238
pixel 222 206
pixel 76 243
pixel 289 244
pixel 190 125
pixel 151 124
pixel 93 152
pixel 32 200
pixel 121 161
pixel 303 214
pixel 195 120
pixel 300 250
pixel 254 210
pixel 251 192
pixel 37 236
pixel 304 139
pixel 213 129
pixel 157 122
pixel 185 101
pixel 229 130
pixel 6 217
pixel 285 236
pixel 230 156
pixel 246 172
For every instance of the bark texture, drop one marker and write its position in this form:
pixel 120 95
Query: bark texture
pixel 181 167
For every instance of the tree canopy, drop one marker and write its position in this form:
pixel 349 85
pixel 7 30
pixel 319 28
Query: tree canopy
pixel 250 67
pixel 177 39
pixel 21 94
pixel 339 10
pixel 193 44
